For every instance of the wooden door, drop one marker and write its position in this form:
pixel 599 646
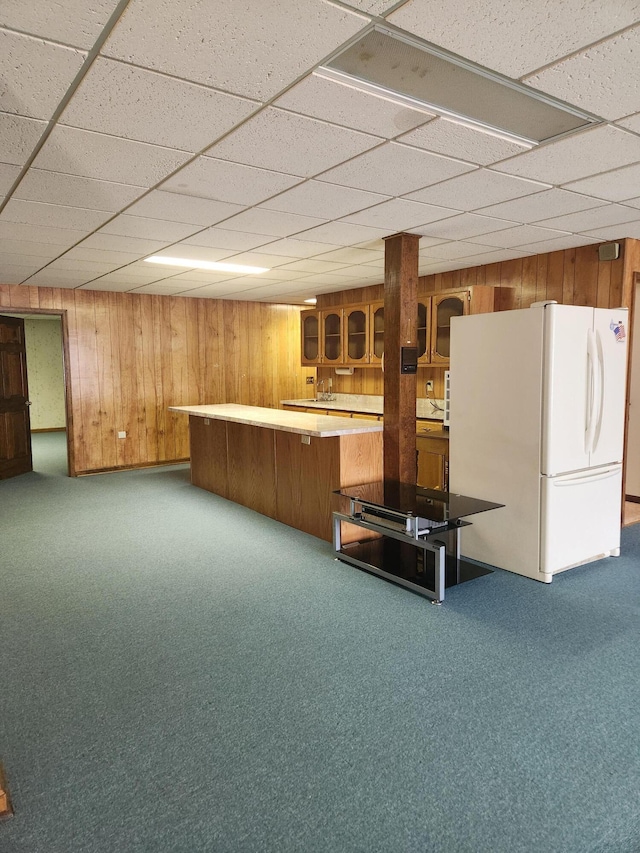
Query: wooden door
pixel 331 332
pixel 423 330
pixel 15 425
pixel 443 307
pixel 376 332
pixel 310 330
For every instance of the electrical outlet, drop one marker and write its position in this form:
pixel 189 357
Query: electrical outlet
pixel 306 439
pixel 429 385
pixel 310 380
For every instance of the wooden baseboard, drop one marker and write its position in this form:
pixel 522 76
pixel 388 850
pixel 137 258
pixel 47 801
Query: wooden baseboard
pixel 6 808
pixel 50 429
pixel 632 499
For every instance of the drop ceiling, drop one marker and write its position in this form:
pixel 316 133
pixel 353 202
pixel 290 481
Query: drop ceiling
pixel 209 132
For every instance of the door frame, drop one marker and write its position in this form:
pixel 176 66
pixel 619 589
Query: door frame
pixel 64 327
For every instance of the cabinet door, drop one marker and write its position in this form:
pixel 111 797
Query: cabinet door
pixel 433 456
pixel 443 308
pixel 424 330
pixel 356 332
pixel 310 337
pixel 376 332
pixel 331 333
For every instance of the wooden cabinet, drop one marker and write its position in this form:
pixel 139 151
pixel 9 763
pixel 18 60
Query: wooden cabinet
pixel 432 462
pixel 443 308
pixel 352 335
pixel 310 337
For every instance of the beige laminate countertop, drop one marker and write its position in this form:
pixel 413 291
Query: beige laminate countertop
pixel 304 423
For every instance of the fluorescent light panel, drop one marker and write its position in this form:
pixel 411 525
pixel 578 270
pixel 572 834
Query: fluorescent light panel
pixel 410 71
pixel 206 265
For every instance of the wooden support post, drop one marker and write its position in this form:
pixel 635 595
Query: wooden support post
pixel 6 809
pixel 400 321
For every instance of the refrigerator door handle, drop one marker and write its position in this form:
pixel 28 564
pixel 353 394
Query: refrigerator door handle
pixel 591 478
pixel 592 391
pixel 600 387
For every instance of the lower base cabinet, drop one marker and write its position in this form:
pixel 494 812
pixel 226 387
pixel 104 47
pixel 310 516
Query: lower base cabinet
pixel 432 462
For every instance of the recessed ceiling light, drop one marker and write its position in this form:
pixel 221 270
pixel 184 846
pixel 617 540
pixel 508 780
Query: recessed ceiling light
pixel 206 265
pixel 405 69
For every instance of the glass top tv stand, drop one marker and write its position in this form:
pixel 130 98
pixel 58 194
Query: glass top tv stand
pixel 413 535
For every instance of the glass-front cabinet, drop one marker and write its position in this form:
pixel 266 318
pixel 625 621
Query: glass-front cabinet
pixel 356 326
pixel 443 308
pixel 422 331
pixel 376 332
pixel 331 331
pixel 310 344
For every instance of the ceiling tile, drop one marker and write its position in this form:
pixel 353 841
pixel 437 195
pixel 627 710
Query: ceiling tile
pixel 350 256
pixel 343 233
pixel 103 256
pixel 328 100
pixel 74 22
pixel 160 289
pixel 617 232
pixel 128 278
pixel 597 79
pixel 574 157
pixel 211 291
pixel 271 223
pixel 308 266
pixel 18 138
pixel 462 141
pixel 616 185
pixel 62 237
pixel 477 189
pixel 57 215
pixel 587 220
pixel 173 207
pixel 633 202
pixel 26 248
pixel 557 244
pixel 542 205
pixel 139 104
pixel 14 274
pixel 148 229
pixel 35 74
pixel 57 188
pixel 631 123
pixel 311 145
pixel 328 201
pixel 452 251
pixel 259 259
pixel 221 238
pixel 294 247
pixel 462 226
pixel 325 279
pixel 286 39
pixel 518 236
pixel 395 169
pixel 231 182
pixel 59 278
pixel 399 214
pixel 109 285
pixel 116 243
pixel 107 158
pixel 194 277
pixel 24 262
pixel 491 257
pixel 90 268
pixel 8 174
pixel 530 36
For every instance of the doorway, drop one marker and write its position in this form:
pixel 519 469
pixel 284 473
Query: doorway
pixel 45 338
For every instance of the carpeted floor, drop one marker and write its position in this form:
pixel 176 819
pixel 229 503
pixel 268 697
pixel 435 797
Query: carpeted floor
pixel 180 674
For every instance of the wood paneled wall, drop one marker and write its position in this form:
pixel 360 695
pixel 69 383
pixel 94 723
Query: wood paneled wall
pixel 130 356
pixel 572 277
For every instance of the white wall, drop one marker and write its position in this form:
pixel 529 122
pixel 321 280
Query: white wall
pixel 43 339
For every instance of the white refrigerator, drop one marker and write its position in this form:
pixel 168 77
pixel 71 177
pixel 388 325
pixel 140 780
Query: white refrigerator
pixel 537 407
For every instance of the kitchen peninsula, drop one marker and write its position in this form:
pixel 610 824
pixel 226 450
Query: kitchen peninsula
pixel 285 465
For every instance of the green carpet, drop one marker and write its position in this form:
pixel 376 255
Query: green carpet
pixel 180 674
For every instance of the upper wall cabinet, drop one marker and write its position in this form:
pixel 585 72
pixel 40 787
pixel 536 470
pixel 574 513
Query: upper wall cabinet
pixel 354 334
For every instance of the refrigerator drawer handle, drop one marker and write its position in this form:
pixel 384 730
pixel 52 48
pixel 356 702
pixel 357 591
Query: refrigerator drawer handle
pixel 588 478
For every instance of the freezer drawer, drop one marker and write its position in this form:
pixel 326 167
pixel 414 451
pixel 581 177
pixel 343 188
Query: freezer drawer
pixel 580 517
